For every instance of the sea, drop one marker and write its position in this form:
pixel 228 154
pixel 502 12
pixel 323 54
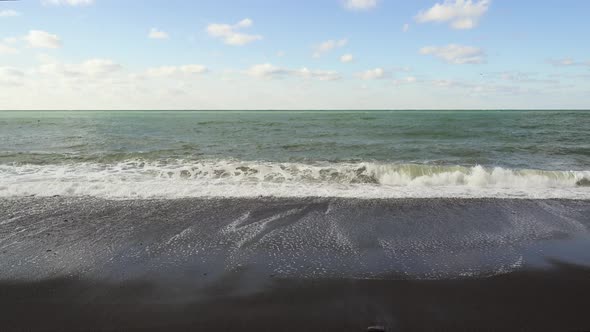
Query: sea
pixel 356 154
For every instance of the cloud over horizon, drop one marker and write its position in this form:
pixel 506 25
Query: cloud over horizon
pixel 269 71
pixel 456 54
pixel 373 74
pixel 175 71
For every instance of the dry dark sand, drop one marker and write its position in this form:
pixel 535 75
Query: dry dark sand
pixel 217 265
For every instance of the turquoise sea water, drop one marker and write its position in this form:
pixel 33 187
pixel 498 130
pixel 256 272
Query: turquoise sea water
pixel 464 153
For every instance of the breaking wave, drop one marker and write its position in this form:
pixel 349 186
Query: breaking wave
pixel 231 178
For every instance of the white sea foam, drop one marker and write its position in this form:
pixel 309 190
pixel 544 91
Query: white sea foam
pixel 229 178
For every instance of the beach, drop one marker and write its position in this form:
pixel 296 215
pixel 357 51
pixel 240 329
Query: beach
pixel 294 264
pixel 294 221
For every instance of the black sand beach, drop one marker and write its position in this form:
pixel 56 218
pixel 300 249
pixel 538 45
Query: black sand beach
pixel 294 264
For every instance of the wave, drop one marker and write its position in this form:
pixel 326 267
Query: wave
pixel 233 178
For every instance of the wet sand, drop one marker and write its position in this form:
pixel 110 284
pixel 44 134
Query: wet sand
pixel 553 300
pixel 294 265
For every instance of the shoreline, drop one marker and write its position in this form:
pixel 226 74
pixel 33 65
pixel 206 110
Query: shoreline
pixel 279 198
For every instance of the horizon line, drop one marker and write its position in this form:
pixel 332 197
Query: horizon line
pixel 295 110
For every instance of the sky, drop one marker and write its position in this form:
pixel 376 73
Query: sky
pixel 294 54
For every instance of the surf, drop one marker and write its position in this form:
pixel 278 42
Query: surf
pixel 174 178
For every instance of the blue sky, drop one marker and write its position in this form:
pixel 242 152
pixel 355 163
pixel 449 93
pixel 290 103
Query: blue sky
pixel 263 54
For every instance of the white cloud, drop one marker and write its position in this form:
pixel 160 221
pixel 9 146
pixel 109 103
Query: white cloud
pixel 524 77
pixel 346 58
pixel 269 71
pixel 266 70
pixel 230 33
pixel 42 39
pixel 482 89
pixel 444 83
pixel 322 75
pixel 281 54
pixel 68 2
pixel 99 67
pixel 328 46
pixel 373 74
pixel 157 34
pixel 169 71
pixel 9 13
pixel 405 80
pixel 46 58
pixel 462 14
pixel 568 62
pixel 565 62
pixel 11 72
pixel 360 4
pixel 406 27
pixel 28 88
pixel 92 67
pixel 99 80
pixel 11 77
pixel 5 49
pixel 456 54
pixel 10 40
